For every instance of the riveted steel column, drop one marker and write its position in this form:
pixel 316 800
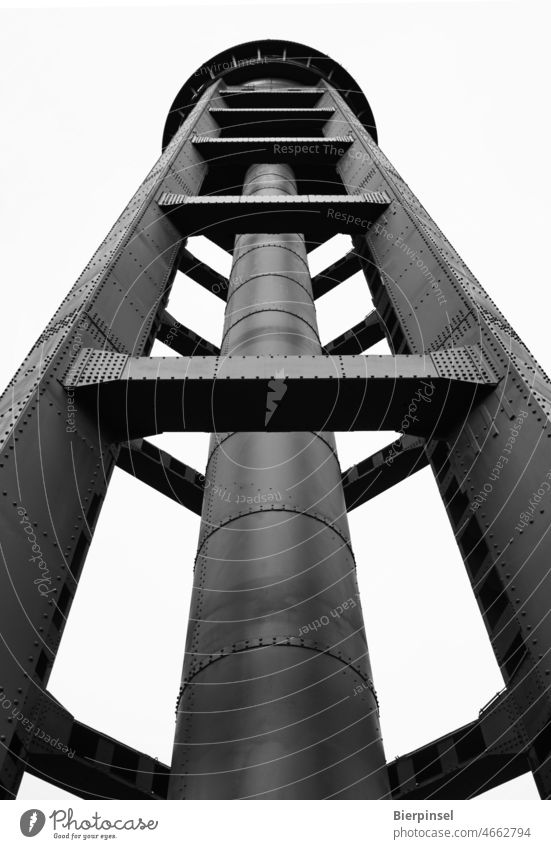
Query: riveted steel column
pixel 277 699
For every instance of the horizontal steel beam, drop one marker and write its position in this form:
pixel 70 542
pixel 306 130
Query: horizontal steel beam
pixel 83 761
pixel 162 472
pixel 383 470
pixel 271 97
pixel 137 396
pixel 183 340
pixel 225 115
pixel 461 765
pixel 315 215
pixel 336 273
pixel 359 338
pixel 290 149
pixel 203 274
pixel 269 121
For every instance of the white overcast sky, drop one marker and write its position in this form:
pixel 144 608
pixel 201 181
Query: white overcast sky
pixel 459 93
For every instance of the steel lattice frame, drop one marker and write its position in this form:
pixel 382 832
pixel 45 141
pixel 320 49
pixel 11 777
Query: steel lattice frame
pixel 487 420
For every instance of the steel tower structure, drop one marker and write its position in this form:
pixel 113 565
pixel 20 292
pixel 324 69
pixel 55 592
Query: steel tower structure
pixel 269 150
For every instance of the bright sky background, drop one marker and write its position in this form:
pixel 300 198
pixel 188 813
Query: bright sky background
pixel 460 98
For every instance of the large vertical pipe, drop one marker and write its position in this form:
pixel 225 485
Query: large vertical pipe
pixel 277 699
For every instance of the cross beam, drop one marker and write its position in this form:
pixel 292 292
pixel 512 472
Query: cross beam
pixel 82 761
pixel 317 215
pixel 359 338
pixel 203 274
pixel 183 340
pixel 169 476
pixel 469 761
pixel 268 121
pixel 271 97
pixel 162 472
pixel 137 396
pixel 383 470
pixel 290 149
pixel 336 273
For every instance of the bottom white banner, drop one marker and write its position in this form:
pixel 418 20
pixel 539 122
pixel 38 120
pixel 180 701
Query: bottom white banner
pixel 293 823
